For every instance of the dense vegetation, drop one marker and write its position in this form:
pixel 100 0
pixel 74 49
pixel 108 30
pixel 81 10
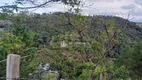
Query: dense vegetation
pixel 77 47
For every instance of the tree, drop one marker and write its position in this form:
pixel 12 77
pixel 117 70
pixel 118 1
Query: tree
pixel 19 41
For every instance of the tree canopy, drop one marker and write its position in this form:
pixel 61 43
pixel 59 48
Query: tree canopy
pixel 70 46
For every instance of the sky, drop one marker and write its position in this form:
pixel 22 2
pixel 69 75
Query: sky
pixel 121 8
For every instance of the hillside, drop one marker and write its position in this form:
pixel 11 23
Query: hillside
pixel 77 47
pixel 53 24
pixel 49 25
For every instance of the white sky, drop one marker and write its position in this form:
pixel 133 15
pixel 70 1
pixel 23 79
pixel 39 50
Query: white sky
pixel 105 7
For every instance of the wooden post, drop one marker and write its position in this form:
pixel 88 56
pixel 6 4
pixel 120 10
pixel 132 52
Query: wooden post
pixel 12 69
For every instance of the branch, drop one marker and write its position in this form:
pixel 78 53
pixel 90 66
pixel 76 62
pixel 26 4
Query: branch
pixel 16 7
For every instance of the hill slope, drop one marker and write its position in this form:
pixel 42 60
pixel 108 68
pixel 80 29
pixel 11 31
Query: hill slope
pixel 102 44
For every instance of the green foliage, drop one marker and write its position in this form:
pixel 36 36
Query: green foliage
pixel 137 57
pixel 9 43
pixel 50 76
pixel 22 42
pixel 79 20
pixel 83 70
pixel 70 61
pixel 95 46
pixel 3 16
pixel 132 60
pixel 105 48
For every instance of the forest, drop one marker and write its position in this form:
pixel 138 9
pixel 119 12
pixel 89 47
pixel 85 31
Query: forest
pixel 71 46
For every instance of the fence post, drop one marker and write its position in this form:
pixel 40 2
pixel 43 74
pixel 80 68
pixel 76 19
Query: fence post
pixel 12 69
